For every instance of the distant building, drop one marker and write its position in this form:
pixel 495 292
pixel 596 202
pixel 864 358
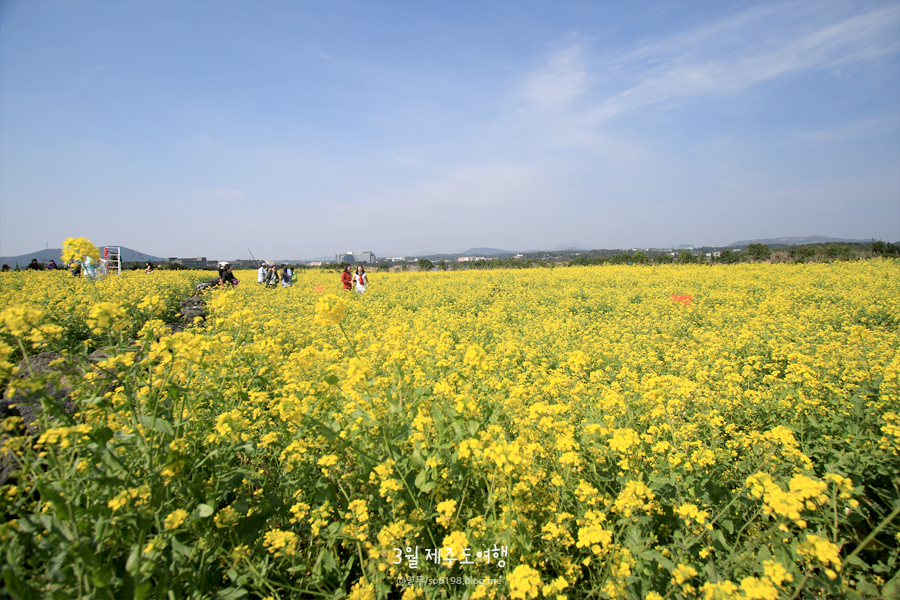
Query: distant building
pixel 470 258
pixel 316 263
pixel 394 259
pixel 197 261
pixel 348 257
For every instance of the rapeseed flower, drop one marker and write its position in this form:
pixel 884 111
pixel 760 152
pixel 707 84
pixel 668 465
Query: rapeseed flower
pixel 524 582
pixel 175 518
pixel 78 249
pixel 280 543
pixel 330 309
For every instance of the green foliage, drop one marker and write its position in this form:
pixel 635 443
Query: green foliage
pixel 425 264
pixel 332 266
pixel 759 252
pixel 729 258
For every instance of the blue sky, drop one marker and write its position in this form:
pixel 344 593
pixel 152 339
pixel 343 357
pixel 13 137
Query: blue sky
pixel 300 129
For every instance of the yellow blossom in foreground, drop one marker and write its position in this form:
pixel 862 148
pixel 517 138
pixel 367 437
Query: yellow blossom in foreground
pixel 280 543
pixel 453 547
pixel 175 519
pixel 683 574
pixel 445 509
pixel 524 582
pixel 330 309
pixel 78 249
pixel 815 548
pixel 759 589
pixel 18 320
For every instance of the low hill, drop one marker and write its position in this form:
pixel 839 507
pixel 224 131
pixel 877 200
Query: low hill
pixel 128 255
pixel 484 251
pixel 793 241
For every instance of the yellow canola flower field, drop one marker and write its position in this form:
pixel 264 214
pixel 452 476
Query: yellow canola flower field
pixel 597 432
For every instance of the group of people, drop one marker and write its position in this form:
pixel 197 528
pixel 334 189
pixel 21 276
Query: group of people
pixel 34 265
pixel 74 266
pixel 358 279
pixel 270 276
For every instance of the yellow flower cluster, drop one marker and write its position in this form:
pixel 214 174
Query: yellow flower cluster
pixel 79 249
pixel 280 543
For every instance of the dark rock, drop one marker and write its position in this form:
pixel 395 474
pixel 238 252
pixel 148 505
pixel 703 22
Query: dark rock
pixel 29 404
pixel 7 461
pixel 175 327
pixel 191 308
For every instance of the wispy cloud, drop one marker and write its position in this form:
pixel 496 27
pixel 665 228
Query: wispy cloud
pixel 699 63
pixel 718 58
pixel 557 83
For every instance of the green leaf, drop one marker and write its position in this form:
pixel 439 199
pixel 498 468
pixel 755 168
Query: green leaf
pixel 159 424
pixel 181 549
pixel 662 560
pixel 416 458
pixel 366 417
pixel 420 479
pixel 134 560
pixel 856 560
pixel 231 593
pixel 331 379
pixel 720 537
pixel 428 487
pixel 205 510
pixel 100 577
pixel 143 590
pixel 328 561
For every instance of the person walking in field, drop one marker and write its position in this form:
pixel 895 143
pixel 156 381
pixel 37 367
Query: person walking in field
pixel 347 278
pixel 272 277
pixel 286 275
pixel 361 280
pixel 261 274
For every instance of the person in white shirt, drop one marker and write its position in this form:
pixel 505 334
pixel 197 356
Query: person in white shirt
pixel 360 279
pixel 261 274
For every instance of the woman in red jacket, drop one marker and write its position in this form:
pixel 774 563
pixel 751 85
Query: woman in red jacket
pixel 347 278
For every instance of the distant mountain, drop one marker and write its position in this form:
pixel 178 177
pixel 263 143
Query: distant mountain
pixel 793 241
pixel 563 247
pixel 484 251
pixel 128 255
